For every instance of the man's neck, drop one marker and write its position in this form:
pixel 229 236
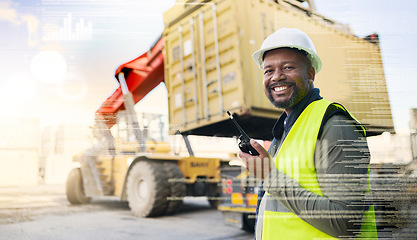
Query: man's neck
pixel 303 101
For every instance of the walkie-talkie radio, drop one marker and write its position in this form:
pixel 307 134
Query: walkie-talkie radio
pixel 244 143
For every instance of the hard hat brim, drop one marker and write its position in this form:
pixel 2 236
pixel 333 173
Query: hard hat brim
pixel 312 56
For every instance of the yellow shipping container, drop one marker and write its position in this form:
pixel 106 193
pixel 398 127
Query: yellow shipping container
pixel 209 67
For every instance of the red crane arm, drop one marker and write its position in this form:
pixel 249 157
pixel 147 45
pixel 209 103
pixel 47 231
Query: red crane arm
pixel 142 75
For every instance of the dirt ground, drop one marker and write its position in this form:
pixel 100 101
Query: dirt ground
pixel 19 204
pixel 42 212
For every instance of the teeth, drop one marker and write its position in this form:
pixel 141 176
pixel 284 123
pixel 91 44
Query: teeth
pixel 282 88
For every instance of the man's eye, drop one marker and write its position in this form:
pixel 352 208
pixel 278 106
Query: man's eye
pixel 267 72
pixel 288 68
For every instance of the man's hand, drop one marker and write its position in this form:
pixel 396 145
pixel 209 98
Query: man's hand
pixel 258 166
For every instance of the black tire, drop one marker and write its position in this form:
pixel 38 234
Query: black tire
pixel 214 195
pixel 213 203
pixel 176 185
pixel 75 188
pixel 248 222
pixel 147 189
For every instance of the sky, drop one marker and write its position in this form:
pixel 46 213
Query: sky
pixel 62 77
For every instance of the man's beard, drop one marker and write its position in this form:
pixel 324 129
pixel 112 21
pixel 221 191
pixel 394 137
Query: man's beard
pixel 294 98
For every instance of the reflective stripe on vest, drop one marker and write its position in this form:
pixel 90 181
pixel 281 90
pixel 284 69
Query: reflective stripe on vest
pixel 296 159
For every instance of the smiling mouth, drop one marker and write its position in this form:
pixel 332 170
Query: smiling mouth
pixel 281 89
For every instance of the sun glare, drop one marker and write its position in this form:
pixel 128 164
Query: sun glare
pixel 24 85
pixel 48 66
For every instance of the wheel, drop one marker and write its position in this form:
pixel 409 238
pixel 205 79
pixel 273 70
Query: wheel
pixel 214 203
pixel 147 189
pixel 249 222
pixel 214 195
pixel 177 187
pixel 75 188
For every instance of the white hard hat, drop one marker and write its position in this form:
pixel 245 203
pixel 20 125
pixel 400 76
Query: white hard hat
pixel 292 38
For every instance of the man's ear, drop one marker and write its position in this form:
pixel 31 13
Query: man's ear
pixel 311 74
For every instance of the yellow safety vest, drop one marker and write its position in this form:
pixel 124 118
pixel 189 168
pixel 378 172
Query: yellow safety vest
pixel 296 159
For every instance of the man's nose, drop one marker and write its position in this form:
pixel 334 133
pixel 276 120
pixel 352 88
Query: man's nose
pixel 278 75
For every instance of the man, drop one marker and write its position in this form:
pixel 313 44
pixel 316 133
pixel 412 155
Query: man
pixel 315 175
